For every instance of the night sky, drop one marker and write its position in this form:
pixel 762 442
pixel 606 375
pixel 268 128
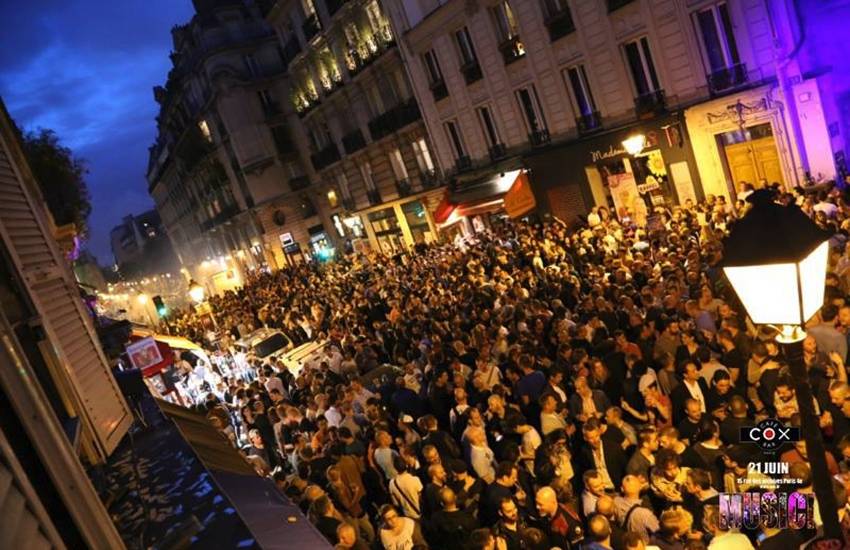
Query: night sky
pixel 86 69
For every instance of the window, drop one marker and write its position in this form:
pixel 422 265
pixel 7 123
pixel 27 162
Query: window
pixel 641 67
pixel 506 25
pixel 453 133
pixel 205 130
pixel 530 106
pixel 269 104
pixel 556 7
pixel 366 174
pixel 488 126
pixel 423 155
pixel 432 67
pixel 309 8
pixel 559 20
pixel 397 164
pixel 320 136
pixel 467 50
pixel 718 39
pixel 576 79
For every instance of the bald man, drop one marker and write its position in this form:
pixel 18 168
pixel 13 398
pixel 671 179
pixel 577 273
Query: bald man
pixel 449 522
pixel 563 526
pixel 598 533
pixel 605 506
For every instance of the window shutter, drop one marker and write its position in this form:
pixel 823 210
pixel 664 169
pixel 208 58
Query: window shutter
pixel 95 395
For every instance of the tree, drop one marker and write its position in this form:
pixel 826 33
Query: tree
pixel 61 177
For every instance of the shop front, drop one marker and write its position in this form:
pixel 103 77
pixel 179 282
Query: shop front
pixel 394 226
pixel 630 171
pixel 473 203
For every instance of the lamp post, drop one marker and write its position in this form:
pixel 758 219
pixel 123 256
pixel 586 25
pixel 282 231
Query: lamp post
pixel 775 258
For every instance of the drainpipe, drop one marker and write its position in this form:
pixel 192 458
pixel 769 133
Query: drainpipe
pixel 782 64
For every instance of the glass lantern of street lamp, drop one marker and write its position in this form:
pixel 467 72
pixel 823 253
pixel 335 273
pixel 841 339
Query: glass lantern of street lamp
pixel 634 144
pixel 142 298
pixel 775 258
pixel 196 292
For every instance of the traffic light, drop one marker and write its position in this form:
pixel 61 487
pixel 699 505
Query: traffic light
pixel 161 310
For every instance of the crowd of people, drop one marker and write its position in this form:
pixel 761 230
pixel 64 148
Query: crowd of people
pixel 550 387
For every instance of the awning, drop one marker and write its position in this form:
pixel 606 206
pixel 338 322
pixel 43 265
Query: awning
pixel 481 194
pixel 519 199
pixel 273 520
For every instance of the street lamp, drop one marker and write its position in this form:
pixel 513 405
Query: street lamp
pixel 775 258
pixel 196 291
pixel 634 144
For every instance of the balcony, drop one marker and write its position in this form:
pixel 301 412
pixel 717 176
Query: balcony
pixel 220 218
pixel 334 6
pixel 311 27
pixel 498 151
pixel 471 72
pixel 303 109
pixel 325 157
pixel 512 49
pixel 439 90
pixel 589 123
pixel 649 104
pixel 374 196
pixel 404 187
pixel 290 50
pixel 396 118
pixel 357 62
pixel 429 179
pixel 727 79
pixel 614 5
pixel 463 163
pixel 560 24
pixel 348 204
pixel 538 138
pixel 353 142
pixel 298 183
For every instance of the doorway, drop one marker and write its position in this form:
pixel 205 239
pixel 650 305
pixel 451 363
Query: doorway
pixel 752 157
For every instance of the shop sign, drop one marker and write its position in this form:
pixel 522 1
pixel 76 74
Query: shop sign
pixel 612 152
pixel 286 239
pixel 650 185
pixel 144 353
pixel 292 248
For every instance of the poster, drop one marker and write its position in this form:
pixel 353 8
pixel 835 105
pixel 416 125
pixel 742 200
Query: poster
pixel 627 200
pixel 144 353
pixel 681 177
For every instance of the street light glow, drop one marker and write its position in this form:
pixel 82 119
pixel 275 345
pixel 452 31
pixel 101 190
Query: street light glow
pixel 196 292
pixel 634 144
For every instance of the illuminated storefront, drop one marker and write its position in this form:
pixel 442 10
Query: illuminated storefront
pixel 600 170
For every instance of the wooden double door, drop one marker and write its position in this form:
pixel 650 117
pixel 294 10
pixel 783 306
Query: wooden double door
pixel 754 161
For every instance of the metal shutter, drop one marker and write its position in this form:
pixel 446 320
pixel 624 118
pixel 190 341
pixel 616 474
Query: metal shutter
pixel 98 400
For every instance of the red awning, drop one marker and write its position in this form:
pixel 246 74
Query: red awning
pixel 444 209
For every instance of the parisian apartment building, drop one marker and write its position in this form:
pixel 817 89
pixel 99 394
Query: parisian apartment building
pixel 356 114
pixel 225 174
pixel 707 94
pixel 293 130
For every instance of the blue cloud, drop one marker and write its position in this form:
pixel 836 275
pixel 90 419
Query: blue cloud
pixel 86 69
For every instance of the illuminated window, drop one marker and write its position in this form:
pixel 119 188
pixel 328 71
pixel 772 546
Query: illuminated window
pixel 332 198
pixel 205 130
